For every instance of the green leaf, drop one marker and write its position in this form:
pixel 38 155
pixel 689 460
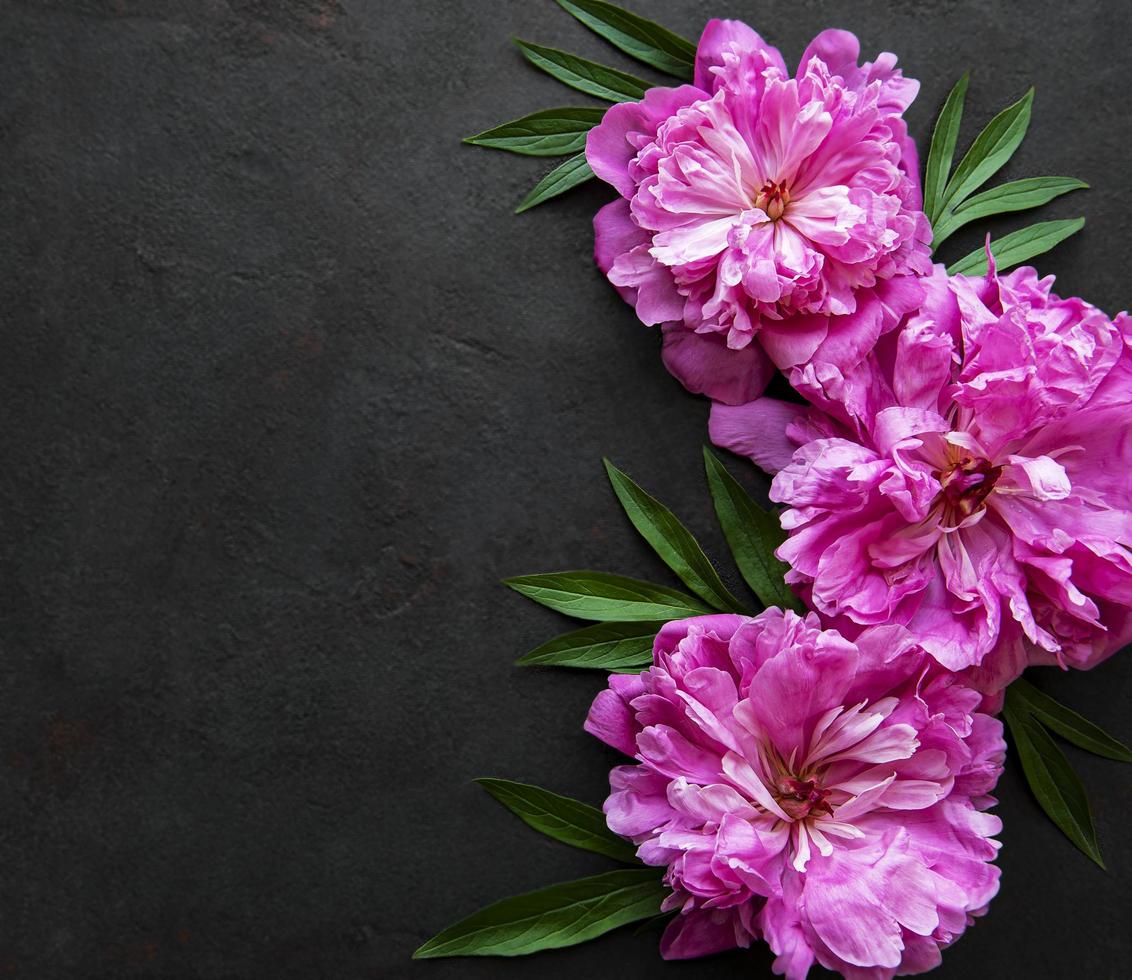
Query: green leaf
pixel 1025 698
pixel 605 597
pixel 942 150
pixel 584 75
pixel 549 133
pixel 1018 246
pixel 1053 781
pixel 637 37
pixel 672 541
pixel 753 535
pixel 562 178
pixel 550 918
pixel 1018 195
pixel 570 821
pixel 990 151
pixel 606 646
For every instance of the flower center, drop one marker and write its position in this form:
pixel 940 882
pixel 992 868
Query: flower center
pixel 773 199
pixel 966 484
pixel 801 797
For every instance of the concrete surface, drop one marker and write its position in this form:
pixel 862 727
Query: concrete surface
pixel 287 389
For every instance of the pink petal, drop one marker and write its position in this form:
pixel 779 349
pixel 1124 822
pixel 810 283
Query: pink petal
pixel 757 429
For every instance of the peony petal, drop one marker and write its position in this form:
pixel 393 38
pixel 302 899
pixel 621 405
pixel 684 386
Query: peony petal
pixel 727 36
pixel 610 717
pixel 705 365
pixel 697 933
pixel 612 143
pixel 757 429
pixel 838 51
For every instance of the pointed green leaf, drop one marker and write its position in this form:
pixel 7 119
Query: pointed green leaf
pixel 1018 195
pixel 1066 722
pixel 562 178
pixel 548 133
pixel 570 821
pixel 1017 247
pixel 753 535
pixel 605 597
pixel 942 150
pixel 990 151
pixel 672 541
pixel 605 646
pixel 1053 781
pixel 586 76
pixel 637 37
pixel 550 918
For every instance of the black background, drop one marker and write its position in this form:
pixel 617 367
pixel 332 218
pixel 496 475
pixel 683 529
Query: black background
pixel 287 390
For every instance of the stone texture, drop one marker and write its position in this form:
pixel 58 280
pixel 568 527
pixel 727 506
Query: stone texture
pixel 287 389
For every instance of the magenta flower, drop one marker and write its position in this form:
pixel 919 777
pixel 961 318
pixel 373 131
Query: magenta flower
pixel 969 480
pixel 824 795
pixel 759 206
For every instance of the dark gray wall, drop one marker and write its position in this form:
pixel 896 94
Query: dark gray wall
pixel 287 389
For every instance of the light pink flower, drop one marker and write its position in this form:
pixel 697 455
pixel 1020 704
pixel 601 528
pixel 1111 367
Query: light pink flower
pixel 756 205
pixel 970 480
pixel 824 795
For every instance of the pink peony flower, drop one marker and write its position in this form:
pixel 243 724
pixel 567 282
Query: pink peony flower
pixel 759 206
pixel 824 795
pixel 970 480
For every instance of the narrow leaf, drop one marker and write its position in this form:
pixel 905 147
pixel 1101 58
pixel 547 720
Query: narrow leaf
pixel 1025 698
pixel 562 178
pixel 584 75
pixel 942 150
pixel 1018 195
pixel 637 37
pixel 605 597
pixel 1018 246
pixel 561 915
pixel 672 541
pixel 990 151
pixel 570 821
pixel 606 646
pixel 753 535
pixel 549 133
pixel 1053 781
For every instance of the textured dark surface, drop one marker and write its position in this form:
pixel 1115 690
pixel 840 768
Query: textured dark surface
pixel 287 389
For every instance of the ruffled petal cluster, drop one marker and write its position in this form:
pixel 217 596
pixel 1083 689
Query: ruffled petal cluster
pixel 827 796
pixel 969 480
pixel 760 206
pixel 956 496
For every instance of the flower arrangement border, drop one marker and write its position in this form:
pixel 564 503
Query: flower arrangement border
pixel 626 614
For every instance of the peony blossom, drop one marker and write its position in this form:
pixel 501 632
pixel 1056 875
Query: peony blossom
pixel 970 480
pixel 824 795
pixel 756 206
